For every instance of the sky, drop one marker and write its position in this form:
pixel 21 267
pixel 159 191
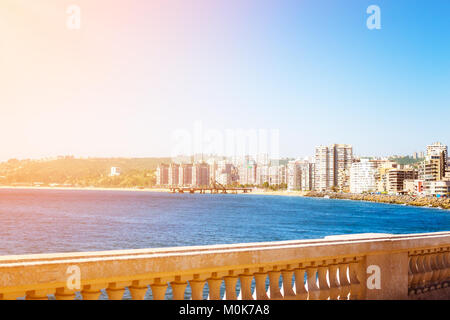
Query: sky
pixel 137 71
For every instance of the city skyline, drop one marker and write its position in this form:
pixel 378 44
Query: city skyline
pixel 135 73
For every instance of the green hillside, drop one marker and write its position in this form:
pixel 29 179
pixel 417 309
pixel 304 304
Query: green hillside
pixel 135 172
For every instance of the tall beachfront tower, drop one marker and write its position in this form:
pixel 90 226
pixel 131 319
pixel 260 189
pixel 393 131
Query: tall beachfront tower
pixel 332 168
pixel 437 147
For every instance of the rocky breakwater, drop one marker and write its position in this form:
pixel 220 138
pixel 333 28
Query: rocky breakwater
pixel 443 203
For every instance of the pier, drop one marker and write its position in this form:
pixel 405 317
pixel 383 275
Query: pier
pixel 211 190
pixel 214 188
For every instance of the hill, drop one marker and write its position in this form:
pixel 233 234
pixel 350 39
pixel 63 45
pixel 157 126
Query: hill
pixel 135 172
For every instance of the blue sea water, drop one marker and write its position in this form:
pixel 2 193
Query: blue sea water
pixel 43 221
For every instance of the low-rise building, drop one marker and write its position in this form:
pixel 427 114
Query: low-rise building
pixel 115 171
pixel 439 188
pixel 413 186
pixel 382 176
pixel 396 177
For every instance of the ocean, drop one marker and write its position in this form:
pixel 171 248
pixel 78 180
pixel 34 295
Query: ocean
pixel 54 221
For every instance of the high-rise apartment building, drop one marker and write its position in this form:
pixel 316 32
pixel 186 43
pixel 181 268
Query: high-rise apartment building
pixel 200 175
pixel 307 176
pixel 277 175
pixel 437 147
pixel 262 174
pixel 332 167
pixel 162 175
pixel 433 169
pixel 363 176
pixel 247 172
pixel 185 175
pixel 173 173
pixel 294 175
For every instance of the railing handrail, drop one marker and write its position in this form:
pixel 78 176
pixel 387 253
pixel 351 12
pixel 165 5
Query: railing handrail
pixel 239 247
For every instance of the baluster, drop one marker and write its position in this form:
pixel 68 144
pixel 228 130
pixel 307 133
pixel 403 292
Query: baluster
pixel 197 286
pixel 355 284
pixel 246 286
pixel 286 289
pixel 260 285
pixel 115 290
pixel 39 294
pixel 413 265
pixel 159 289
pixel 428 271
pixel 311 281
pixel 324 289
pixel 178 288
pixel 362 277
pixel 446 263
pixel 64 294
pixel 334 282
pixel 138 289
pixel 410 274
pixel 274 285
pixel 92 292
pixel 230 287
pixel 440 269
pixel 300 290
pixel 435 270
pixel 344 281
pixel 214 284
pixel 421 273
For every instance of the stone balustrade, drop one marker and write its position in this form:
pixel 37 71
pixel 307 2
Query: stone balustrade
pixel 364 266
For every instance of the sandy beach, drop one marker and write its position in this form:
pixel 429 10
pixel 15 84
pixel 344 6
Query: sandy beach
pixel 390 199
pixel 254 192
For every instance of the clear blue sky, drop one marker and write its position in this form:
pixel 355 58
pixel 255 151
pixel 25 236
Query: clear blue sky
pixel 135 72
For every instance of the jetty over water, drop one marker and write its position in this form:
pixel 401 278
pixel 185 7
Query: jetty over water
pixel 214 187
pixel 211 190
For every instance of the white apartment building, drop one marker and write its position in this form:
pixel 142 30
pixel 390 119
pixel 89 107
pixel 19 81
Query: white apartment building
pixel 363 176
pixel 115 171
pixel 307 178
pixel 277 175
pixel 439 188
pixel 247 173
pixel 437 147
pixel 262 175
pixel 294 175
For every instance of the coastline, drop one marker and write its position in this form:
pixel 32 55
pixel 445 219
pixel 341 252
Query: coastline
pixel 388 199
pixel 85 188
